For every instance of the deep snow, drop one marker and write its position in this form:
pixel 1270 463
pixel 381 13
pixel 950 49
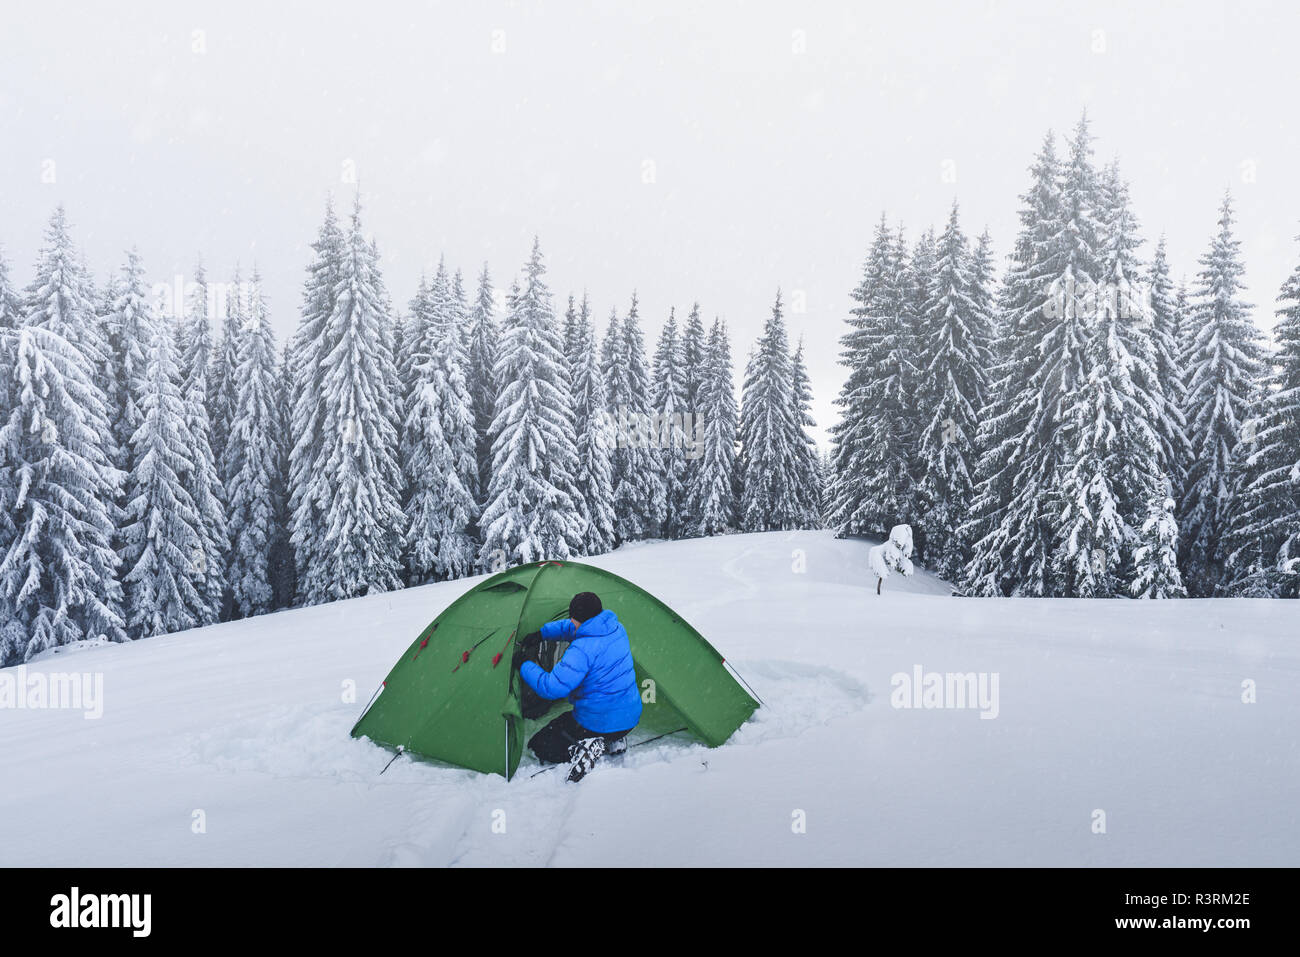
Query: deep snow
pixel 1133 708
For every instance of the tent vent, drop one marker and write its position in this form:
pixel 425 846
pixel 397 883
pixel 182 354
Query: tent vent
pixel 505 587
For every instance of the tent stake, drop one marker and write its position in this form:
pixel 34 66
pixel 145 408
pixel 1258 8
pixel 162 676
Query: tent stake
pixel 401 749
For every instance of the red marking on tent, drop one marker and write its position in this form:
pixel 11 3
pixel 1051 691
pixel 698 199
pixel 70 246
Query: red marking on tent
pixel 465 657
pixel 497 658
pixel 424 644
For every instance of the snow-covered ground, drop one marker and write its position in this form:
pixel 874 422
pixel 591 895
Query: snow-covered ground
pixel 1133 709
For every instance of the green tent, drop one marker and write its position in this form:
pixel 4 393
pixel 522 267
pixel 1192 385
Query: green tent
pixel 453 695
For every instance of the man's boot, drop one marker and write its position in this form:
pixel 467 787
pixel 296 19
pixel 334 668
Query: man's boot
pixel 584 756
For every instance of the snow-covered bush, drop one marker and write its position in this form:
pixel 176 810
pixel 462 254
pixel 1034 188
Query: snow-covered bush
pixel 894 555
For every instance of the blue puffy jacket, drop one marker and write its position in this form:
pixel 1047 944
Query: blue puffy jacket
pixel 595 673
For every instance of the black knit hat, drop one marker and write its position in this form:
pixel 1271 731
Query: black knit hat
pixel 585 605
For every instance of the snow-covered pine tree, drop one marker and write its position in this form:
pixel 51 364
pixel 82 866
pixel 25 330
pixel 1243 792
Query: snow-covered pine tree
pixel 202 480
pixel 1021 546
pixel 1072 504
pixel 1184 339
pixel 983 283
pixel 253 459
pixel 627 379
pixel 12 639
pixel 826 481
pixel 412 327
pixel 594 428
pixel 309 347
pixel 228 305
pixel 569 334
pixel 462 310
pixel 345 473
pixel 852 499
pixel 1171 428
pixel 484 339
pixel 359 472
pixel 532 511
pixel 808 489
pixel 99 343
pixel 611 373
pixel 10 302
pixel 1143 366
pixel 1155 558
pixel 954 350
pixel 712 501
pixel 770 435
pixel 915 274
pixel 694 347
pixel 284 580
pixel 668 436
pixel 1265 524
pixel 609 350
pixel 58 572
pixel 161 547
pixel 875 441
pixel 399 342
pixel 1017 321
pixel 462 314
pixel 1224 363
pixel 569 329
pixel 389 371
pixel 438 440
pixel 10 318
pixel 130 330
pixel 1113 419
pixel 1246 573
pixel 461 319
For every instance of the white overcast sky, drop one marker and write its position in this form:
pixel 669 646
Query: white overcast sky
pixel 778 132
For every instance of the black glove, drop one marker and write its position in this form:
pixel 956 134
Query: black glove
pixel 522 647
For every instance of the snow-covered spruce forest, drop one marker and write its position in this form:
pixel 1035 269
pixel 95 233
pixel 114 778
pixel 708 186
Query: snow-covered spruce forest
pixel 161 472
pixel 1068 420
pixel 1084 424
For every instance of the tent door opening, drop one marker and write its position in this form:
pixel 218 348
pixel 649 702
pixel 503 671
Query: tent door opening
pixel 547 655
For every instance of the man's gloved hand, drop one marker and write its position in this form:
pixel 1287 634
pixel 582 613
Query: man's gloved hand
pixel 525 645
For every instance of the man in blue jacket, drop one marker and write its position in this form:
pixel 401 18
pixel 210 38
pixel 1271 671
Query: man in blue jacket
pixel 596 674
